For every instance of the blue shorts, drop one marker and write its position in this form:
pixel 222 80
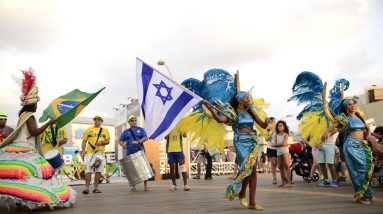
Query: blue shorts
pixel 174 157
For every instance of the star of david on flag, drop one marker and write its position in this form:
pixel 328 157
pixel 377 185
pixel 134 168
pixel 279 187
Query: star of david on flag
pixel 163 102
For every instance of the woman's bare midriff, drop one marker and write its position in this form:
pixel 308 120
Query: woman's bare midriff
pixel 245 130
pixel 357 134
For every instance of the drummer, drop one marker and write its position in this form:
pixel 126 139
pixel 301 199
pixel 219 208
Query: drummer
pixel 94 139
pixel 54 137
pixel 133 143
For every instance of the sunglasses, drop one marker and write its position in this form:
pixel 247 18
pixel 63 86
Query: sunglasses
pixel 3 119
pixel 98 119
pixel 133 121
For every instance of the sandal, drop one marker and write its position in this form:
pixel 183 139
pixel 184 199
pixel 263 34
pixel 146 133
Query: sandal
pixel 256 207
pixel 96 191
pixel 243 201
pixel 85 191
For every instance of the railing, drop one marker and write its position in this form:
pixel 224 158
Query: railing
pixel 218 168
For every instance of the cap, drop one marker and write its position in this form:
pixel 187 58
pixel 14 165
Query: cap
pixel 131 117
pixel 3 115
pixel 98 116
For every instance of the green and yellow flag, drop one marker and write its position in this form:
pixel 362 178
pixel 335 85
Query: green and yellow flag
pixel 65 108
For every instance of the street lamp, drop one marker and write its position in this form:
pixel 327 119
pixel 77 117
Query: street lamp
pixel 162 62
pixel 288 115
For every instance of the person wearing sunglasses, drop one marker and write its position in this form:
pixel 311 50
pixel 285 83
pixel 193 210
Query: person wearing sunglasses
pixel 94 140
pixel 132 140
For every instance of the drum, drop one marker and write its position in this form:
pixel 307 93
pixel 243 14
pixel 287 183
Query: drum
pixel 96 159
pixel 54 158
pixel 136 167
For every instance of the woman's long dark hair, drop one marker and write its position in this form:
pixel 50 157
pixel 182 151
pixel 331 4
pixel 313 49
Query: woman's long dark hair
pixel 28 108
pixel 287 131
pixel 235 103
pixel 344 111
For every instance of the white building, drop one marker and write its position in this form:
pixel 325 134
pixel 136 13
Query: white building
pixel 371 103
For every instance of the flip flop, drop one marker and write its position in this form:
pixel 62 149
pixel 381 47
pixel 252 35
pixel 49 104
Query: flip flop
pixel 97 191
pixel 85 192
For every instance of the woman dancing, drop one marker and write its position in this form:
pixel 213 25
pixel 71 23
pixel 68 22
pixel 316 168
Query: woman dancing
pixel 356 151
pixel 25 176
pixel 246 147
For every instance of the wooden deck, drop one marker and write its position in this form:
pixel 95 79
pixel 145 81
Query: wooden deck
pixel 206 197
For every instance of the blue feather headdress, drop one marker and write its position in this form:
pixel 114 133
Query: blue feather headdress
pixel 307 89
pixel 335 95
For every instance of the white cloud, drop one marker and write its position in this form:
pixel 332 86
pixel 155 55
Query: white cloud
pixel 91 44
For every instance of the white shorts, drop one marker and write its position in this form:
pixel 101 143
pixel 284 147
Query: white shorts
pixel 282 151
pixel 92 169
pixel 200 159
pixel 326 154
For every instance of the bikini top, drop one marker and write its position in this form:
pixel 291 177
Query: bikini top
pixel 355 124
pixel 244 121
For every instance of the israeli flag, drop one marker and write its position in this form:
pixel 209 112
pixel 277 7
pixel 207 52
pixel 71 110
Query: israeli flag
pixel 163 101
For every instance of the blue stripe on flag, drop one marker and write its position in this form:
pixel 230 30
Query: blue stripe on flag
pixel 172 113
pixel 147 73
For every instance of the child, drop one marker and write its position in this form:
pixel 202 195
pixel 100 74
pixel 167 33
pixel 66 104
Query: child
pixel 281 143
pixel 263 163
pixel 76 159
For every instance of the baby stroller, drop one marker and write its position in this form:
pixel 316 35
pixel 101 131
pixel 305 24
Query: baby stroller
pixel 302 161
pixel 377 177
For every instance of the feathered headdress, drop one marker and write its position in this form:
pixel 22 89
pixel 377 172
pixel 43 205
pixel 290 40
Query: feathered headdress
pixel 336 94
pixel 309 89
pixel 29 90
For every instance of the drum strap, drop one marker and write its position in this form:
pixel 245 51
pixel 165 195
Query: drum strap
pixel 54 136
pixel 98 136
pixel 134 136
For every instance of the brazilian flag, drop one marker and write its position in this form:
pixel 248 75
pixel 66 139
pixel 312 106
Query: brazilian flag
pixel 65 108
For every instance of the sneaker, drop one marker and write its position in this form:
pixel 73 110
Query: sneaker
pixel 363 200
pixel 274 181
pixel 342 179
pixel 334 184
pixel 173 187
pixel 324 183
pixel 186 188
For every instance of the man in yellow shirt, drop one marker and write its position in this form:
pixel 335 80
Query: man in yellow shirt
pixel 5 130
pixel 94 140
pixel 174 151
pixel 54 137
